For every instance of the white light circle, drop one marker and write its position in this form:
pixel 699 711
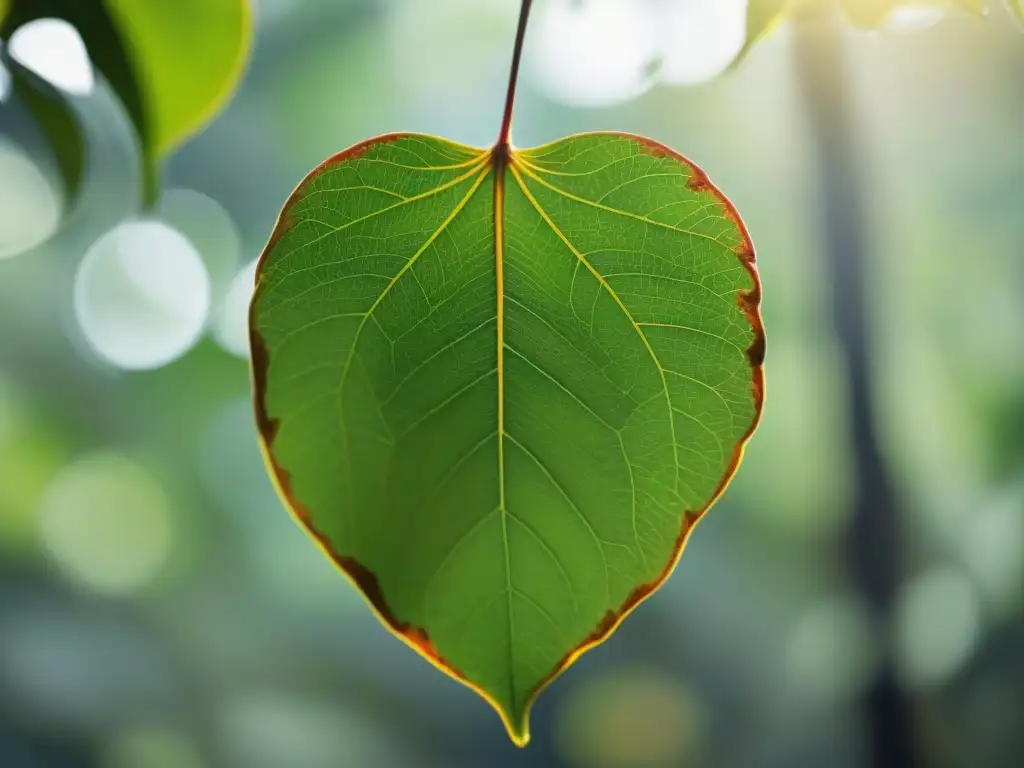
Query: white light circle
pixel 938 624
pixel 595 53
pixel 993 549
pixel 30 207
pixel 5 82
pixel 211 230
pixel 907 18
pixel 231 324
pixel 701 39
pixel 142 295
pixel 54 50
pixel 832 650
pixel 106 521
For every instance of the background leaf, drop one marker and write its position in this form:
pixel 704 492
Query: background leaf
pixel 172 65
pixel 189 56
pixel 501 399
pixel 56 119
pixel 762 16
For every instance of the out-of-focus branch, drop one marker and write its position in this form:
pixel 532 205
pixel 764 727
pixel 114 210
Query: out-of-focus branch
pixel 873 545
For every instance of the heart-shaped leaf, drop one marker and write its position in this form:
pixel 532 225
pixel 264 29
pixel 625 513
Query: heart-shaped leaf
pixel 500 387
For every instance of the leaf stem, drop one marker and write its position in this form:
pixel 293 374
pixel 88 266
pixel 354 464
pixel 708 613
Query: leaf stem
pixel 517 54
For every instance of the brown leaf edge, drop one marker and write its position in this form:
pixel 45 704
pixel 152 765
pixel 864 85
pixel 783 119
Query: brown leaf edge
pixel 361 577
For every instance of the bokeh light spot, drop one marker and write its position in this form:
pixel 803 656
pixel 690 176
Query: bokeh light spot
pixel 270 730
pixel 594 53
pixel 106 522
pixel 906 18
pixel 993 549
pixel 31 453
pixel 832 650
pixel 152 747
pixel 631 717
pixel 210 229
pixel 142 295
pixel 938 627
pixel 29 205
pixel 53 49
pixel 231 324
pixel 701 39
pixel 5 82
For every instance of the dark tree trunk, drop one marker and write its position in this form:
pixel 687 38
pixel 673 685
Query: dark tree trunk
pixel 873 546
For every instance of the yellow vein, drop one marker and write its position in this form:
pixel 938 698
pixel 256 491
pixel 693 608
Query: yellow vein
pixel 576 398
pixel 572 505
pixel 362 324
pixel 521 158
pixel 454 167
pixel 462 539
pixel 632 486
pixel 480 164
pixel 499 272
pixel 700 331
pixel 517 163
pixel 615 297
pixel 426 361
pixel 554 557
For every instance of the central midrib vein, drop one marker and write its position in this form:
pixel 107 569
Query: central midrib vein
pixel 500 159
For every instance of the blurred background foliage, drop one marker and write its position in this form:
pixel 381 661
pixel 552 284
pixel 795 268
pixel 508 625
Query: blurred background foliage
pixel 158 607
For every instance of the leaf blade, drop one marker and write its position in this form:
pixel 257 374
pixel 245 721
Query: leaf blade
pixel 497 545
pixel 762 17
pixel 58 122
pixel 172 66
pixel 189 57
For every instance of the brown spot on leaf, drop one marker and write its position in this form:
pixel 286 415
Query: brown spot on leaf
pixel 698 181
pixel 654 148
pixel 749 301
pixel 260 364
pixel 366 580
pixel 612 619
pixel 284 225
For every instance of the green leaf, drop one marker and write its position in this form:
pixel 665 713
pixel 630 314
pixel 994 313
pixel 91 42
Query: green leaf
pixel 871 14
pixel 762 17
pixel 56 119
pixel 172 65
pixel 500 392
pixel 189 56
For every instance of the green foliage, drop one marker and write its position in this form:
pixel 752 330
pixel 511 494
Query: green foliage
pixel 172 65
pixel 189 56
pixel 501 388
pixel 764 15
pixel 55 118
pixel 872 13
